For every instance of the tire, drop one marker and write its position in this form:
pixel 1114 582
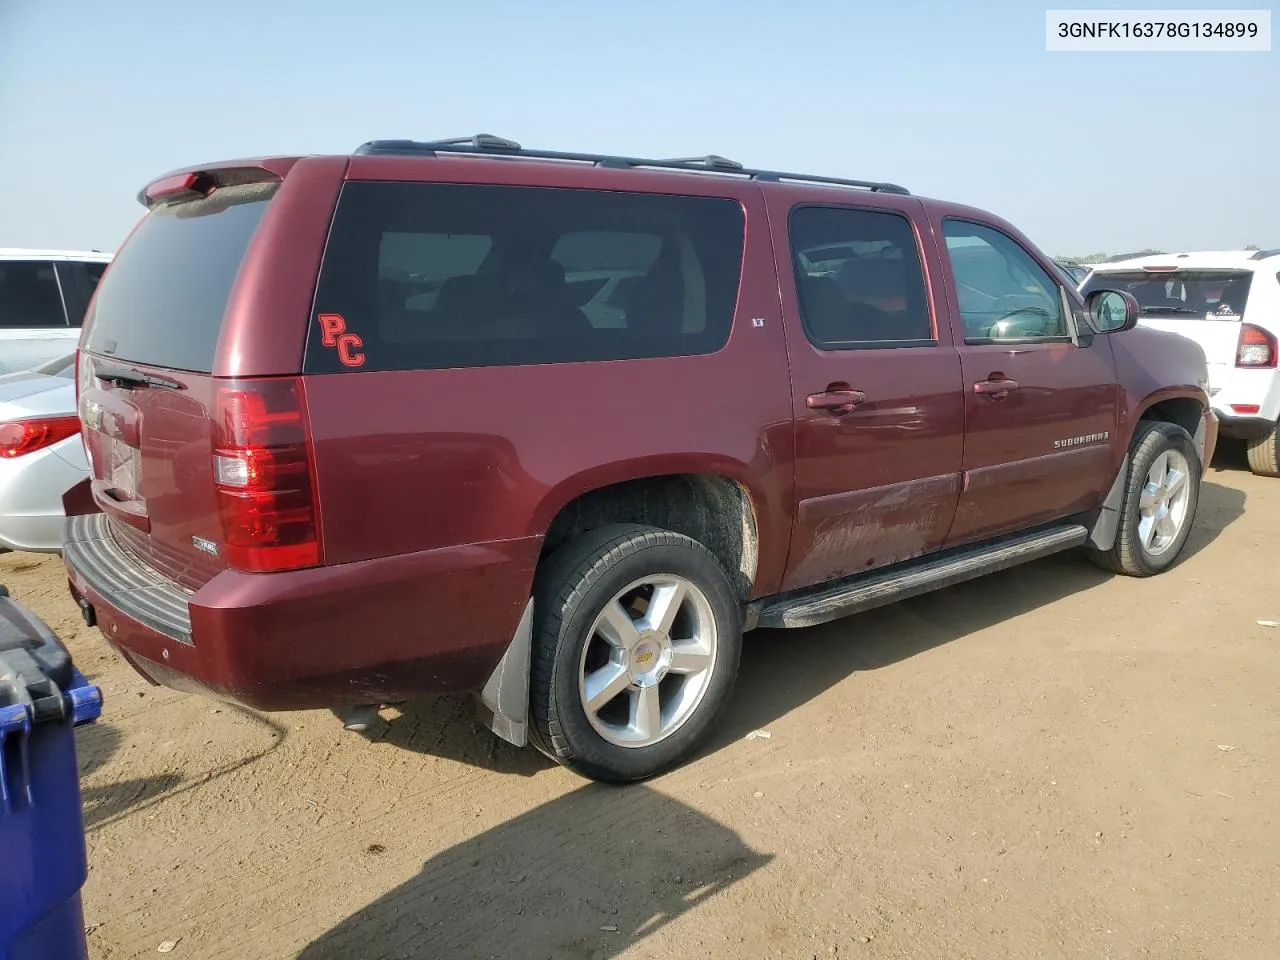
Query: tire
pixel 1264 457
pixel 1132 554
pixel 620 567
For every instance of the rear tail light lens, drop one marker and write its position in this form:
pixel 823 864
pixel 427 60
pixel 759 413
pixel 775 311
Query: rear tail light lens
pixel 1255 348
pixel 263 472
pixel 20 437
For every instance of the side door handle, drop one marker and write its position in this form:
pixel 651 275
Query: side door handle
pixel 838 400
pixel 995 387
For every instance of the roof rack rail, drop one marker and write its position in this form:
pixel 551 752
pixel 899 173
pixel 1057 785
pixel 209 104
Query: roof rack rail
pixel 485 144
pixel 1264 254
pixel 711 161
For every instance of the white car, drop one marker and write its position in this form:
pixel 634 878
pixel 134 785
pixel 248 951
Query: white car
pixel 43 295
pixel 1229 303
pixel 41 454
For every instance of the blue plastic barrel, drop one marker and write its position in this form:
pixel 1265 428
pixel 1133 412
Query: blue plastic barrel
pixel 42 854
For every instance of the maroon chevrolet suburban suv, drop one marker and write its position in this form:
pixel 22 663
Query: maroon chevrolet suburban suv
pixel 556 429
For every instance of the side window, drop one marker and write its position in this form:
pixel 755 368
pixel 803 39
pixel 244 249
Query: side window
pixel 601 266
pixel 413 267
pixel 83 277
pixel 29 295
pixel 94 272
pixel 858 278
pixel 428 276
pixel 1003 291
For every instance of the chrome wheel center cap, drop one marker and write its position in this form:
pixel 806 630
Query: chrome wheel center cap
pixel 649 659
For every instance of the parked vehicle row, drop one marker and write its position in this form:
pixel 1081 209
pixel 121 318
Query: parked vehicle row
pixel 1075 272
pixel 43 295
pixel 42 456
pixel 1228 303
pixel 558 428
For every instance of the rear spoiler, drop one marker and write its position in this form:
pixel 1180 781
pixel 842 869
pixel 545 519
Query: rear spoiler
pixel 194 182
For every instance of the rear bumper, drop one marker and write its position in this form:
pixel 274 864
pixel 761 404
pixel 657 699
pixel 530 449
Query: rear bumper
pixel 31 534
pixel 1258 393
pixel 373 631
pixel 1244 428
pixel 31 489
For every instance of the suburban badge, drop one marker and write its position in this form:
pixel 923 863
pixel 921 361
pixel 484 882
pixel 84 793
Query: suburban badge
pixel 1080 441
pixel 205 546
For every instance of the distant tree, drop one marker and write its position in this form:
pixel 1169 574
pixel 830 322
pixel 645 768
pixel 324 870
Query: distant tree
pixel 1252 246
pixel 1087 258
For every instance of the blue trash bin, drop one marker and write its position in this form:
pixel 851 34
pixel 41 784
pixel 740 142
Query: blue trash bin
pixel 42 854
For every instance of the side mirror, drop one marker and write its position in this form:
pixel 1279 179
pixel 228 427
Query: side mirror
pixel 1112 311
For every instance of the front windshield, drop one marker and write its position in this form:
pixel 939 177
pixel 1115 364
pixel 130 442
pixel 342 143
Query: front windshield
pixel 1206 294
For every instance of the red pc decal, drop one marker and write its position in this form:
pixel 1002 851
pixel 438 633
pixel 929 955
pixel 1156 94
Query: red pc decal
pixel 333 329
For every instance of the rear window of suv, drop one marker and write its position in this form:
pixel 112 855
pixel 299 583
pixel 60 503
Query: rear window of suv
pixel 162 301
pixel 1203 294
pixel 429 276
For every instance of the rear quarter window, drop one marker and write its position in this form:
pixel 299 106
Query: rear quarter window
pixel 29 295
pixel 431 276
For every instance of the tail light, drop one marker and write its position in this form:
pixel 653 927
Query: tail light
pixel 20 437
pixel 263 472
pixel 1255 348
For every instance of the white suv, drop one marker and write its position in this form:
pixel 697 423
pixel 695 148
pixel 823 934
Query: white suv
pixel 43 295
pixel 1229 303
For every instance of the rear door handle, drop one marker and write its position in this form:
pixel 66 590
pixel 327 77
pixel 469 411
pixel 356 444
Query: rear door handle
pixel 836 402
pixel 996 389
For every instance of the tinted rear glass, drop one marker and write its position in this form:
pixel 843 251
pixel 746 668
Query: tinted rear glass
pixel 1206 294
pixel 868 289
pixel 423 276
pixel 29 295
pixel 162 301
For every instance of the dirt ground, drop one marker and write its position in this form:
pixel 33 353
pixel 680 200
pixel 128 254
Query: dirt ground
pixel 1050 762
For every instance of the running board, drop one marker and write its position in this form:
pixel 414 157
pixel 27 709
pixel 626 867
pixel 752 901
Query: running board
pixel 902 581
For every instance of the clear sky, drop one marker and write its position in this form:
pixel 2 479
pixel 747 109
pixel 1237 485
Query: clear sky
pixel 959 100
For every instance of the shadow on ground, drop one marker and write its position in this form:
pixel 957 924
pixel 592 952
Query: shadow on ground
pixel 1219 508
pixel 96 743
pixel 588 875
pixel 107 802
pixel 782 670
pixel 448 727
pixel 1230 456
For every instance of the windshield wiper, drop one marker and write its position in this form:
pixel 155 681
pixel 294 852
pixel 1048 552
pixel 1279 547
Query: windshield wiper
pixel 133 379
pixel 1180 310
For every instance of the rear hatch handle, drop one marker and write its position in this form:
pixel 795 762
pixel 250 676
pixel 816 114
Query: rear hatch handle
pixel 130 512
